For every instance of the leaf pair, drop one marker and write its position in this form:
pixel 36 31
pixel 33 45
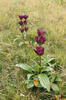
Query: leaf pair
pixel 25 67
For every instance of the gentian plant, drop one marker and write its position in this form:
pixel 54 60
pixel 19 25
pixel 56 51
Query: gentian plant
pixel 23 25
pixel 42 75
pixel 23 29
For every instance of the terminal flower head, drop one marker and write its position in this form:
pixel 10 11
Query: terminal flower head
pixel 39 50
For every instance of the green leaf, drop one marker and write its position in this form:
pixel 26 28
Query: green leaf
pixel 15 39
pixel 51 59
pixel 29 76
pixel 52 78
pixel 47 68
pixel 25 67
pixel 55 87
pixel 30 83
pixel 35 68
pixel 44 80
pixel 35 77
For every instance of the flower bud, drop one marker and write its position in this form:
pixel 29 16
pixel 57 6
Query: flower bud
pixel 43 32
pixel 39 32
pixel 42 39
pixel 22 30
pixel 21 16
pixel 25 16
pixel 25 22
pixel 26 28
pixel 21 22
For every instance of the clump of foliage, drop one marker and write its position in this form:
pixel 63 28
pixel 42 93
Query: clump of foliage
pixel 42 75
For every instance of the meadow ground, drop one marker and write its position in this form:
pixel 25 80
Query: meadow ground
pixel 46 14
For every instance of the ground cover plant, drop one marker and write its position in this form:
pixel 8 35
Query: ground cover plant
pixel 46 14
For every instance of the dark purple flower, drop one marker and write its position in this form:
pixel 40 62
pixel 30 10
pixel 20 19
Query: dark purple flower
pixel 43 32
pixel 39 50
pixel 25 16
pixel 22 30
pixel 37 39
pixel 26 28
pixel 39 32
pixel 21 16
pixel 21 22
pixel 42 39
pixel 25 22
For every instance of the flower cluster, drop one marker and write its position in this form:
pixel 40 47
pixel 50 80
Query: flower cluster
pixel 23 23
pixel 40 39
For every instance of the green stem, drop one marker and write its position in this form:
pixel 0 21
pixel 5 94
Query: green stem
pixel 22 36
pixel 40 65
pixel 40 61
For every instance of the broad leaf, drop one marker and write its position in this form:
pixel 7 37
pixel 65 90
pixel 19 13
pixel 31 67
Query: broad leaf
pixel 30 83
pixel 55 87
pixel 29 76
pixel 35 77
pixel 35 68
pixel 25 67
pixel 44 80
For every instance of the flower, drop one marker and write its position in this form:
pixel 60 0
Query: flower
pixel 39 50
pixel 39 32
pixel 21 16
pixel 25 16
pixel 26 28
pixel 22 30
pixel 43 32
pixel 21 22
pixel 25 22
pixel 40 40
pixel 37 39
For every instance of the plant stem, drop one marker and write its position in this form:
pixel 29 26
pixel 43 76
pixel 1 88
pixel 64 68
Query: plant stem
pixel 22 35
pixel 40 61
pixel 40 65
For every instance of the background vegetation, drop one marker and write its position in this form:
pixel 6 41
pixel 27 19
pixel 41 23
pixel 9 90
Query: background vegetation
pixel 46 14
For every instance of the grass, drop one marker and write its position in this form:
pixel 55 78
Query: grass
pixel 49 15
